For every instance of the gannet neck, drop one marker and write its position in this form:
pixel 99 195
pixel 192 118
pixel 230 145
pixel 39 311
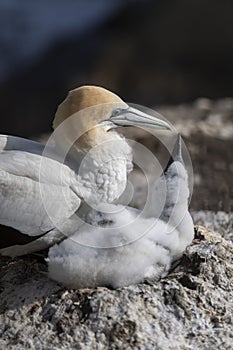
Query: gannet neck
pixel 93 138
pixel 103 170
pixel 169 197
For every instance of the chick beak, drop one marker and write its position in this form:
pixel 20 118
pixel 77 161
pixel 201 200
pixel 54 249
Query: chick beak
pixel 134 117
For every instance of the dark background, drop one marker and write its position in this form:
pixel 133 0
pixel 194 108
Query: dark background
pixel 148 52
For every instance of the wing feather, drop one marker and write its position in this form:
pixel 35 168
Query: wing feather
pixel 11 143
pixel 33 207
pixel 36 193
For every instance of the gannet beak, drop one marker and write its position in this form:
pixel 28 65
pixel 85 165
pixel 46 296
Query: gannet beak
pixel 134 117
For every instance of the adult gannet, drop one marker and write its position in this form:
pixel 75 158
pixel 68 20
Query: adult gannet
pixel 122 246
pixel 40 191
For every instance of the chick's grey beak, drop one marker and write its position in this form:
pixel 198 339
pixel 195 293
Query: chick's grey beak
pixel 134 117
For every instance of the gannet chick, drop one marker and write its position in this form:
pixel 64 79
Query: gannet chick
pixel 39 195
pixel 120 246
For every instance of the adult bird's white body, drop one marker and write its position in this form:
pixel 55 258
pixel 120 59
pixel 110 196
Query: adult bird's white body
pixel 42 187
pixel 119 245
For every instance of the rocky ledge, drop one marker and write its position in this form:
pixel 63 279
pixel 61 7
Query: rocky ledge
pixel 189 309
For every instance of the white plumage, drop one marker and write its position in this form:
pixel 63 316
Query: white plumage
pixel 118 245
pixel 40 192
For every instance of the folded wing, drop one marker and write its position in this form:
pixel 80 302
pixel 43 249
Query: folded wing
pixel 37 193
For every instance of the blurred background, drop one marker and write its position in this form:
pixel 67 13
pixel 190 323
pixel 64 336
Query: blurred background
pixel 173 56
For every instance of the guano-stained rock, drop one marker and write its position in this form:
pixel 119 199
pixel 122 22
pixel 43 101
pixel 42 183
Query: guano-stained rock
pixel 191 308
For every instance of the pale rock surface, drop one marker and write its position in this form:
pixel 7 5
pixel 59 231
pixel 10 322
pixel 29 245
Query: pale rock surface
pixel 189 309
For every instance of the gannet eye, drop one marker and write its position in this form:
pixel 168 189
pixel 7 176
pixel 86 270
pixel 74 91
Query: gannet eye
pixel 116 111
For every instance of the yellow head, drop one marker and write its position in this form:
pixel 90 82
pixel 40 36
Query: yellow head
pixel 94 111
pixel 82 98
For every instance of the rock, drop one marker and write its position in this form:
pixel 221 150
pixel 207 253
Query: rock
pixel 220 221
pixel 189 309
